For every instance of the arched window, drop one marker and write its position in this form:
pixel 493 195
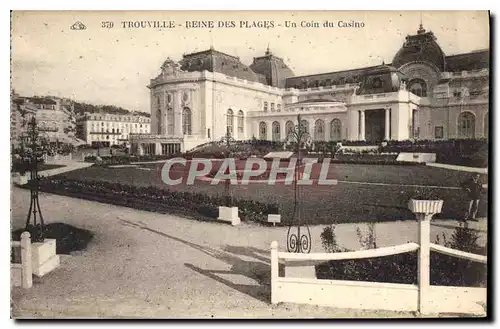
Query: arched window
pixel 158 121
pixel 486 125
pixel 240 121
pixel 170 121
pixel 276 131
pixel 263 131
pixel 335 130
pixel 305 125
pixel 418 87
pixel 265 106
pixel 289 128
pixel 186 121
pixel 229 121
pixel 466 125
pixel 319 130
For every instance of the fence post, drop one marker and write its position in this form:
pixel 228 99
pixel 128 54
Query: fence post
pixel 424 237
pixel 274 272
pixel 26 268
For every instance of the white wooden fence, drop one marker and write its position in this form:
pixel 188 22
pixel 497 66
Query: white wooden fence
pixel 22 273
pixel 421 297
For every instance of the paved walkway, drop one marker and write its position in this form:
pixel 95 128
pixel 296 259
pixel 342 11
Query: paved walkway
pixel 143 264
pixel 460 168
pixel 68 166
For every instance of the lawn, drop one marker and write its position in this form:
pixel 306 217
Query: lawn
pixel 348 201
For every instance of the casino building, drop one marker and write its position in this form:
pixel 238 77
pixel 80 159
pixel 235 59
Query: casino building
pixel 422 94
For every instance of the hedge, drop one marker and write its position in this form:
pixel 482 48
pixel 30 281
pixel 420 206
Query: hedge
pixel 155 199
pixel 444 270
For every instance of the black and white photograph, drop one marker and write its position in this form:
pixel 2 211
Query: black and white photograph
pixel 249 164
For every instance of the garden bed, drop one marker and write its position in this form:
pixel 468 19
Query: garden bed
pixel 202 206
pixel 68 238
pixel 444 270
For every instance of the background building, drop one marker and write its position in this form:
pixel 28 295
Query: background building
pixel 422 94
pixel 54 115
pixel 111 129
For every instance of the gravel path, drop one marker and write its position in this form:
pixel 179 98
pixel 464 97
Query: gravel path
pixel 143 264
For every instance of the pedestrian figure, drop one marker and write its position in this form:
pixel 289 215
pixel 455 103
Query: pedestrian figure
pixel 473 187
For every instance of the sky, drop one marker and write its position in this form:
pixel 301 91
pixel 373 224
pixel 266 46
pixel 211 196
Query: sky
pixel 113 66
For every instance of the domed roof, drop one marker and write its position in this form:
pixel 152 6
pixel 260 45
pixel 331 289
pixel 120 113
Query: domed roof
pixel 381 79
pixel 420 47
pixel 381 69
pixel 216 61
pixel 273 68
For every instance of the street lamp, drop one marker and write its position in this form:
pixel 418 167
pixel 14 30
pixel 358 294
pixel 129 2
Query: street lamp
pixel 32 154
pixel 298 240
pixel 228 139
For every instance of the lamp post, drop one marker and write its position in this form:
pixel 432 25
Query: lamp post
pixel 32 154
pixel 298 240
pixel 228 139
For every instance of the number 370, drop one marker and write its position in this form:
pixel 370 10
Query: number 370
pixel 107 25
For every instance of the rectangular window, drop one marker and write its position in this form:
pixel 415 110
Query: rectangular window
pixel 438 132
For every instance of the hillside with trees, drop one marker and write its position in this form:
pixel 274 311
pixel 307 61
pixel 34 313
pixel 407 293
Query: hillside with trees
pixel 81 108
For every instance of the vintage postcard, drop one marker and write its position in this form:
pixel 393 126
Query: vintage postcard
pixel 240 164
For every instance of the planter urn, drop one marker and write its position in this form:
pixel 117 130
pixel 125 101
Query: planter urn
pixel 424 210
pixel 426 207
pixel 230 215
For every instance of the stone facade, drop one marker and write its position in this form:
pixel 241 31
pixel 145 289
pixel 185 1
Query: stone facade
pixel 422 95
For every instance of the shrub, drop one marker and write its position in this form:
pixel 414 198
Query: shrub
pixel 402 268
pixel 329 239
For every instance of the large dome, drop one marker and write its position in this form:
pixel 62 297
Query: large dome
pixel 421 47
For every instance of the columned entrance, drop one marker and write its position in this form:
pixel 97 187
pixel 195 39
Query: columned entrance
pixel 375 125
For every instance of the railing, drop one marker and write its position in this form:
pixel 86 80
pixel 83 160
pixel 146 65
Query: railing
pixel 22 273
pixel 300 285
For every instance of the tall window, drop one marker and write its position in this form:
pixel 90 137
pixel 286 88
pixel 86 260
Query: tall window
pixel 170 121
pixel 158 118
pixel 263 131
pixel 276 131
pixel 305 125
pixel 466 125
pixel 319 130
pixel 240 121
pixel 229 121
pixel 265 106
pixel 438 132
pixel 289 128
pixel 278 107
pixel 335 130
pixel 418 87
pixel 272 107
pixel 186 121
